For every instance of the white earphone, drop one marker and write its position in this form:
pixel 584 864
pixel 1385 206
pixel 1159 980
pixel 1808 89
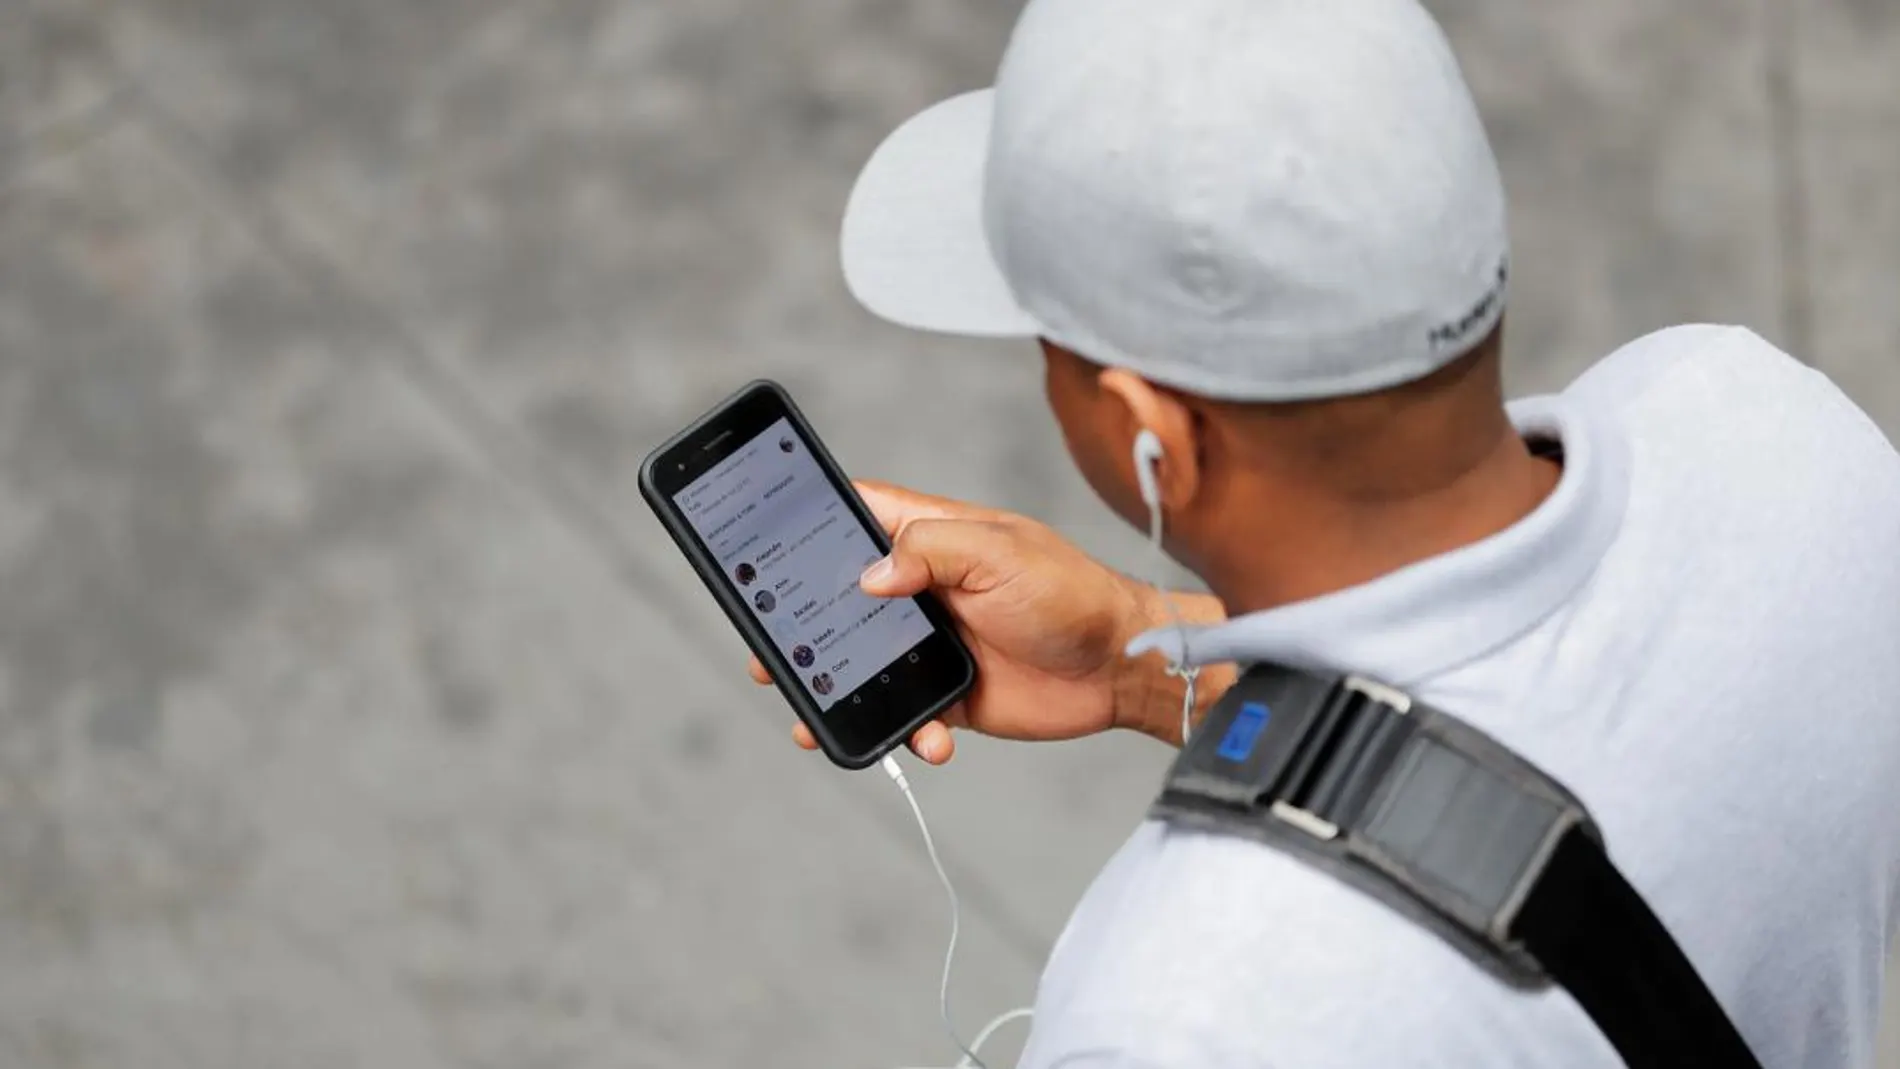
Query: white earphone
pixel 1148 453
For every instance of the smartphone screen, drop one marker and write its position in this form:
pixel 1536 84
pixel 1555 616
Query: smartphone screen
pixel 783 534
pixel 779 537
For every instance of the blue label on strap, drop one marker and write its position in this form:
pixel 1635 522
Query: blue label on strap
pixel 1237 744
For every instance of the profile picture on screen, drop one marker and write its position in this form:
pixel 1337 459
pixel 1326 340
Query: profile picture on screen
pixel 745 573
pixel 802 656
pixel 821 683
pixel 765 601
pixel 786 445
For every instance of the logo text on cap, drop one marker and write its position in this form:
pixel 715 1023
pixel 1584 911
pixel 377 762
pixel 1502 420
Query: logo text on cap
pixel 1450 334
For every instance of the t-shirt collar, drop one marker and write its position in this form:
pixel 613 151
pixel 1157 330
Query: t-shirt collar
pixel 1432 616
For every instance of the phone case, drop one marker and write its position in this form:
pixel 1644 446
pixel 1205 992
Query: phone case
pixel 710 575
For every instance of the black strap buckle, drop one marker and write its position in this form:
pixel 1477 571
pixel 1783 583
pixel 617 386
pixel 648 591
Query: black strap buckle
pixel 1357 754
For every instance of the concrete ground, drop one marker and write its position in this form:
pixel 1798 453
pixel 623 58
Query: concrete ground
pixel 353 712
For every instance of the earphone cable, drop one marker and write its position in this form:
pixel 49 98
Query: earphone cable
pixel 896 773
pixel 1177 666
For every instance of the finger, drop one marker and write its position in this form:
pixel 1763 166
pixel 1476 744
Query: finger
pixel 803 737
pixel 934 743
pixel 758 673
pixel 953 554
pixel 895 507
pixel 957 717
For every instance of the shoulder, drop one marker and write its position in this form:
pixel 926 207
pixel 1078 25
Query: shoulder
pixel 1759 497
pixel 1725 398
pixel 1705 365
pixel 1675 357
pixel 1632 369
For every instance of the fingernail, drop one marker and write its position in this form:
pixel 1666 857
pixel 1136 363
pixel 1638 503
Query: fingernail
pixel 876 573
pixel 932 748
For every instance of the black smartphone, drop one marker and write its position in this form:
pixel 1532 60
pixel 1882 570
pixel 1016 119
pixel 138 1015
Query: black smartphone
pixel 779 536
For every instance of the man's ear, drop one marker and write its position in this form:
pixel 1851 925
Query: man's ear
pixel 1141 405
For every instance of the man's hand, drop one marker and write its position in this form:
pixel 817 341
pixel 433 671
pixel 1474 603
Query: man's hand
pixel 1046 622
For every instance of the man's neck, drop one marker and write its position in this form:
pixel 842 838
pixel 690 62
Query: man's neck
pixel 1306 542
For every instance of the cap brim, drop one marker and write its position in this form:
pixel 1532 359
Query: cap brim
pixel 912 245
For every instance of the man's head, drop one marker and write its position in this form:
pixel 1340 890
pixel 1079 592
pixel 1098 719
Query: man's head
pixel 1221 461
pixel 1237 223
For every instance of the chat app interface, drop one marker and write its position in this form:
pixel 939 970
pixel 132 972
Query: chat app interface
pixel 794 551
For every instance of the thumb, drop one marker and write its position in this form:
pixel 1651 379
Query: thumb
pixel 949 554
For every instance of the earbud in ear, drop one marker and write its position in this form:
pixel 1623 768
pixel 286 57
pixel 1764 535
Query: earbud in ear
pixel 1147 454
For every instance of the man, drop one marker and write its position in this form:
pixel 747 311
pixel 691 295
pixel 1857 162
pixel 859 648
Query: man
pixel 1272 233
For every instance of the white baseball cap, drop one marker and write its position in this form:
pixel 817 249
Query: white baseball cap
pixel 1244 199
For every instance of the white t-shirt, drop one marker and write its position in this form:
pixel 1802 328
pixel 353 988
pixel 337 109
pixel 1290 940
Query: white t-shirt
pixel 1698 633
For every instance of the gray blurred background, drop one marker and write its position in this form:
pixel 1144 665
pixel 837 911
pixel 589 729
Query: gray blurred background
pixel 353 711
